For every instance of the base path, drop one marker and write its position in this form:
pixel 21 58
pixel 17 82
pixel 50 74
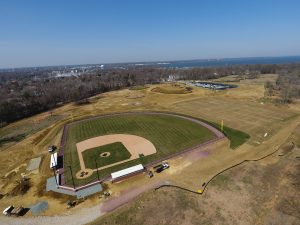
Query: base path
pixel 136 145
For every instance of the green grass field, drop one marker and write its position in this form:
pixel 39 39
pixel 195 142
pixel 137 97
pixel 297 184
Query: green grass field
pixel 169 134
pixel 236 137
pixel 117 151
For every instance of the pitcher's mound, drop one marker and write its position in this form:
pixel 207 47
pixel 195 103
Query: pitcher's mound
pixel 105 154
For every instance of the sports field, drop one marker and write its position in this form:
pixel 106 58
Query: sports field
pixel 105 155
pixel 169 134
pixel 240 108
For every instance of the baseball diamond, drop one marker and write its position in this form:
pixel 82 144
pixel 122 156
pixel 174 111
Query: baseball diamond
pixel 129 139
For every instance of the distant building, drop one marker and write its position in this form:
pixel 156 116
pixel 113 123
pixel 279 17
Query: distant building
pixel 172 78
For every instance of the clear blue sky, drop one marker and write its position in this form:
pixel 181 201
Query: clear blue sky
pixel 56 32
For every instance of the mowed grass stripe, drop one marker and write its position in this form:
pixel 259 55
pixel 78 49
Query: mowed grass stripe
pixel 117 152
pixel 169 134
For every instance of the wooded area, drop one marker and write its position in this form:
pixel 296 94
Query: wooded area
pixel 25 92
pixel 287 85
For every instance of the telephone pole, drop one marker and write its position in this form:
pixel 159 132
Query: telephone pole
pixel 72 177
pixel 55 177
pixel 97 169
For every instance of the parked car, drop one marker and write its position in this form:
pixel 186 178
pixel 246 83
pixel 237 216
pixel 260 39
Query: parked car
pixel 8 210
pixel 13 211
pixel 17 211
pixel 161 167
pixel 165 165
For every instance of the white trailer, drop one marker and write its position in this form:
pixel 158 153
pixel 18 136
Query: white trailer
pixel 116 176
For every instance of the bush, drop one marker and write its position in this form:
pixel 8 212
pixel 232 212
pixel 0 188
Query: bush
pixel 21 188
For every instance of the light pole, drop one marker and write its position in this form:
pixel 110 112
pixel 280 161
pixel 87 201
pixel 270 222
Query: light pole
pixel 55 177
pixel 97 169
pixel 72 177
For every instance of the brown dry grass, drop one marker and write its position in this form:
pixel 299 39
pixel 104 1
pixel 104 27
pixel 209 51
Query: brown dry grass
pixel 253 193
pixel 172 88
pixel 21 187
pixel 248 115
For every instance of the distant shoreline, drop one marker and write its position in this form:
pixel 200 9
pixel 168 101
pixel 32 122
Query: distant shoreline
pixel 215 62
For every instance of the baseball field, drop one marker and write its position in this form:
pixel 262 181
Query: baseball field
pixel 115 142
pixel 254 126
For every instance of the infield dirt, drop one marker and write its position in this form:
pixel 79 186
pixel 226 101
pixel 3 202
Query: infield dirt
pixel 134 144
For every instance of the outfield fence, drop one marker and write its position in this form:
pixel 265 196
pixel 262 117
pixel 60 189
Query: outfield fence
pixel 93 181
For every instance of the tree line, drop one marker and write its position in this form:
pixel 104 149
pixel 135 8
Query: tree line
pixel 26 92
pixel 287 85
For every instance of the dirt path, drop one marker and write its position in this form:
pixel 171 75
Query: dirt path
pixel 83 216
pixel 128 195
pixel 86 215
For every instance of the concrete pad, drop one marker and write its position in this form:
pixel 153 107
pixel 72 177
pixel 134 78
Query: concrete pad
pixel 34 165
pixel 51 186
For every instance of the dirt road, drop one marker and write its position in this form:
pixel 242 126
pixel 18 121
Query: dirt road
pixel 81 217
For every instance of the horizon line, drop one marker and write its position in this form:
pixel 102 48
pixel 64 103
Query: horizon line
pixel 151 61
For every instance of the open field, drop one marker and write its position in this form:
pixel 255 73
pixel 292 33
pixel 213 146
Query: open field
pixel 172 88
pixel 169 134
pixel 253 118
pixel 138 88
pixel 296 137
pixel 18 131
pixel 189 171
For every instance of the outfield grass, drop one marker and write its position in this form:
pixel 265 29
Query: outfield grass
pixel 117 151
pixel 169 134
pixel 236 137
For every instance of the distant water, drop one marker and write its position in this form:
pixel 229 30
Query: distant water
pixel 176 64
pixel 219 62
